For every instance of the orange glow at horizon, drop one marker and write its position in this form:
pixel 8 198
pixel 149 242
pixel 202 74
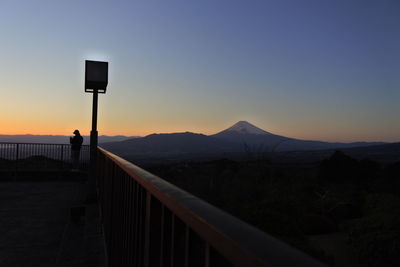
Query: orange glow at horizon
pixel 20 126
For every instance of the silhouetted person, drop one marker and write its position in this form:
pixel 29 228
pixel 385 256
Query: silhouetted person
pixel 76 144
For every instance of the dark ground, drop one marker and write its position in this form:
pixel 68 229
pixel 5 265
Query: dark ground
pixel 36 228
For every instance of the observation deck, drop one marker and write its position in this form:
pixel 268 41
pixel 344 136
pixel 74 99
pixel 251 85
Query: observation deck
pixel 138 219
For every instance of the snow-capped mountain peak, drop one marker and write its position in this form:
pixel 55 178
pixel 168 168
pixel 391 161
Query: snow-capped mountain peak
pixel 244 127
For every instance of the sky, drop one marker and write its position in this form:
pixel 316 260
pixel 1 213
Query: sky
pixel 310 69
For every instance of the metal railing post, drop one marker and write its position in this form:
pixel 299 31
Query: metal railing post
pixel 147 230
pixel 38 156
pixel 17 159
pixel 62 157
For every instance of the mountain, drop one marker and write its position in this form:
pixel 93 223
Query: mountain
pixel 254 138
pixel 244 128
pixel 242 137
pixel 247 134
pixel 170 144
pixel 388 152
pixel 114 138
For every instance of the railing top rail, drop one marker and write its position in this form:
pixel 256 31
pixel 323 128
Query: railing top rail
pixel 238 241
pixel 20 143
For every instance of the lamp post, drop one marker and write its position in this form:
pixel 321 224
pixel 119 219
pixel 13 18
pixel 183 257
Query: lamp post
pixel 96 80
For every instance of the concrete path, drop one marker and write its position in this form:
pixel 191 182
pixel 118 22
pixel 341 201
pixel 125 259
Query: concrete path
pixel 35 225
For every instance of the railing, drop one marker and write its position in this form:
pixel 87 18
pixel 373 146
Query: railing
pixel 16 157
pixel 150 222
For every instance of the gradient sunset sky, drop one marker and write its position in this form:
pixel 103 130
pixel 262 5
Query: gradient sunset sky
pixel 321 70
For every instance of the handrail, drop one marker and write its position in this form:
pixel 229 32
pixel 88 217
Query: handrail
pixel 50 144
pixel 13 155
pixel 223 238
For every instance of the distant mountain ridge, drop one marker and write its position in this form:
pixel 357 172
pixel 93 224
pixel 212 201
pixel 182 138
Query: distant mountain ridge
pixel 172 144
pixel 57 139
pixel 239 138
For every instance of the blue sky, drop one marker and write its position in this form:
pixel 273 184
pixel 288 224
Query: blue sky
pixel 326 70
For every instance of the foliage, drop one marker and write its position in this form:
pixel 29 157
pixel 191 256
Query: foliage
pixel 376 236
pixel 287 200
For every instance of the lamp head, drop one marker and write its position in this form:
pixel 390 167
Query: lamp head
pixel 96 76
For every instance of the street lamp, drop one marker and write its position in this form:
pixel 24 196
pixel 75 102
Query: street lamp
pixel 96 80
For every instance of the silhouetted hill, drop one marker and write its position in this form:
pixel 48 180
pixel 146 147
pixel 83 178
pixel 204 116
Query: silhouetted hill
pixel 170 144
pixel 298 145
pixel 384 153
